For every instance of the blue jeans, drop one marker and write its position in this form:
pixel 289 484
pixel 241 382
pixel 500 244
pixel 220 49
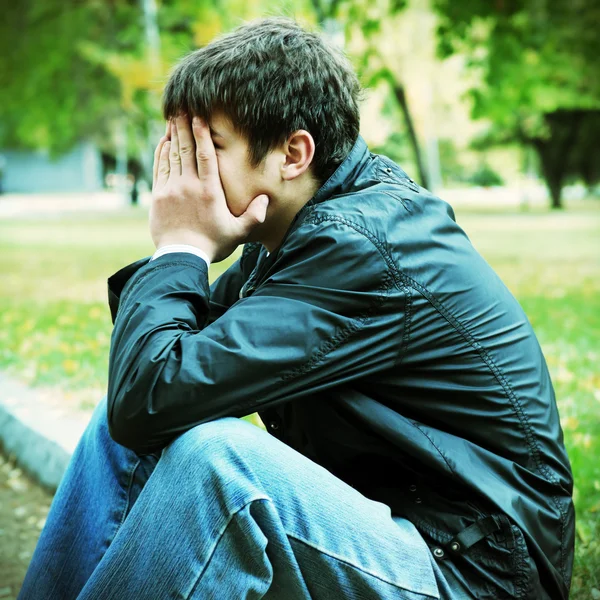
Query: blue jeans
pixel 225 512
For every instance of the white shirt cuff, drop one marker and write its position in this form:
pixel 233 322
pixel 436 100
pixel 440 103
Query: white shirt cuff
pixel 181 248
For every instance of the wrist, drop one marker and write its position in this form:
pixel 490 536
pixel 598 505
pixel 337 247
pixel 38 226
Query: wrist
pixel 187 239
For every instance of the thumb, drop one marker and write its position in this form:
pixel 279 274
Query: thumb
pixel 256 211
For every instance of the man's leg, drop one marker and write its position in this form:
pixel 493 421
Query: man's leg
pixel 232 513
pixel 97 491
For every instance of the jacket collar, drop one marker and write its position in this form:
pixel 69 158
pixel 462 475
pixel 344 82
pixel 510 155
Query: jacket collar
pixel 342 179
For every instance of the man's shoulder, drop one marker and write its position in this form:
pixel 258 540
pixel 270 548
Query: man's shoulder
pixel 414 232
pixel 389 208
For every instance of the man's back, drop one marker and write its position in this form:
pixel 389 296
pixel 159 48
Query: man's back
pixel 448 414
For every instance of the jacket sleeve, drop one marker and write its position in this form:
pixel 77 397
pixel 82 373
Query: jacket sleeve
pixel 316 322
pixel 223 292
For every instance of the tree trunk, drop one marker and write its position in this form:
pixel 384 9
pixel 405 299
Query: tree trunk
pixel 556 150
pixel 325 9
pixel 319 11
pixel 556 197
pixel 136 169
pixel 401 98
pixel 552 170
pixel 134 198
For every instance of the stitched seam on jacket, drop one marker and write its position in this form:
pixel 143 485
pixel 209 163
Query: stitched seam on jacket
pixel 250 249
pixel 469 338
pixel 314 218
pixel 513 398
pixel 396 197
pixel 407 325
pixel 406 280
pixel 416 426
pixel 344 334
pixel 523 417
pixel 520 553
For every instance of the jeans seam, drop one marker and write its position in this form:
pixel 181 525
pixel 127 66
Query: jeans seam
pixel 218 540
pixel 128 493
pixel 309 544
pixel 358 568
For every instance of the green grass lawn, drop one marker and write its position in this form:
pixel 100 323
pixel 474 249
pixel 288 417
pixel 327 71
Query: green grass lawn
pixel 55 324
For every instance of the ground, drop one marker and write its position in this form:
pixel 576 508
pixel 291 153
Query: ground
pixel 23 509
pixel 55 329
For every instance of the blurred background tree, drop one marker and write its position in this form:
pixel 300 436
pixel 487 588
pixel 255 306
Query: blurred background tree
pixel 77 70
pixel 362 28
pixel 93 70
pixel 539 78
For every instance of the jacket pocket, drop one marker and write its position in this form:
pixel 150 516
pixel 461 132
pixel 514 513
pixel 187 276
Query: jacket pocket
pixel 489 557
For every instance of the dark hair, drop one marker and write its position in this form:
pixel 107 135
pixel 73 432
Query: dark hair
pixel 270 78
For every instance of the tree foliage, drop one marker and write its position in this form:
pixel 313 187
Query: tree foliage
pixel 50 94
pixel 362 24
pixel 80 69
pixel 538 65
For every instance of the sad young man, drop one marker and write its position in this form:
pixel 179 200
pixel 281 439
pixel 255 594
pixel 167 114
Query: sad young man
pixel 413 445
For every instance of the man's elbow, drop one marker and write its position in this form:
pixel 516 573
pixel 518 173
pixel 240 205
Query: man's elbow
pixel 133 430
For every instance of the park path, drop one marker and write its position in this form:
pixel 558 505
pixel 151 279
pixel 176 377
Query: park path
pixel 59 205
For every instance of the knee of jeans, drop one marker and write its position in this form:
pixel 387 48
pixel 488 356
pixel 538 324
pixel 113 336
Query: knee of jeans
pixel 210 441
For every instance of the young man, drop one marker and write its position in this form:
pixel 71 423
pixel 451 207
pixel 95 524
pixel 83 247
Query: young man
pixel 414 448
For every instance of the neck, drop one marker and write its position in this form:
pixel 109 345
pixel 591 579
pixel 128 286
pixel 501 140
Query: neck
pixel 284 210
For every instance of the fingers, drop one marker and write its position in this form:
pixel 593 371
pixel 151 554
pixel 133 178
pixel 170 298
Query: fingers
pixel 163 170
pixel 174 157
pixel 157 157
pixel 187 145
pixel 157 152
pixel 206 157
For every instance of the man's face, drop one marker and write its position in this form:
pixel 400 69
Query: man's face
pixel 241 181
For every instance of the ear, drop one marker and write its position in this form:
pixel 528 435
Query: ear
pixel 299 150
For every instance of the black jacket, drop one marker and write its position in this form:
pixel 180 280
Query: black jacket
pixel 379 343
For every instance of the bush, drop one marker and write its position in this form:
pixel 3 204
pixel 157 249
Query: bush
pixel 485 176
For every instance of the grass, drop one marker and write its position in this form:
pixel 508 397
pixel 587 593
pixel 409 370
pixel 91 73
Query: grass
pixel 54 320
pixel 55 324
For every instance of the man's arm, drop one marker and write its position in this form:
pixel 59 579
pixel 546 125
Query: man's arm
pixel 223 292
pixel 317 322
